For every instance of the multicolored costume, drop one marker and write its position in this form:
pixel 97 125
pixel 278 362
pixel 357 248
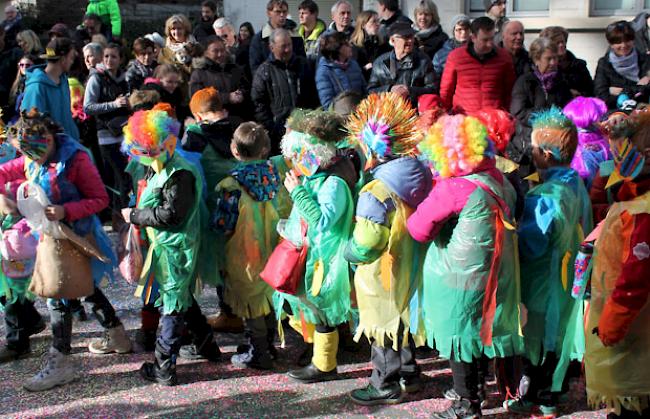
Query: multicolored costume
pixel 471 286
pixel 388 277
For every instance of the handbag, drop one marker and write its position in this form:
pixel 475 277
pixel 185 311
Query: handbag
pixel 61 271
pixel 285 267
pixel 131 259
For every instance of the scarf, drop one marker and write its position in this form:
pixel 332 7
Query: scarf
pixel 547 79
pixel 627 66
pixel 425 33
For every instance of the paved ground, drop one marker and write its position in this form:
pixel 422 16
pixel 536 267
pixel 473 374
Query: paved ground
pixel 110 385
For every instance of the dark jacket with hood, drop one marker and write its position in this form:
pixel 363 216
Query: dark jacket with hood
pixel 415 71
pixel 641 38
pixel 226 79
pixel 384 24
pixel 101 90
pixel 203 30
pixel 528 97
pixel 216 134
pixel 431 40
pixel 606 77
pixel 137 73
pixel 278 88
pixel 259 46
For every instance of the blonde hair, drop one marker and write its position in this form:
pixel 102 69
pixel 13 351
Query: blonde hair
pixel 359 35
pixel 183 20
pixel 31 39
pixel 427 7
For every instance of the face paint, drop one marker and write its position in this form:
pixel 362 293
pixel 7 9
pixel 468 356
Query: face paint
pixel 32 144
pixel 307 163
pixel 629 163
pixel 157 158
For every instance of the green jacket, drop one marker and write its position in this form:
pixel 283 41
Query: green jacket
pixel 109 13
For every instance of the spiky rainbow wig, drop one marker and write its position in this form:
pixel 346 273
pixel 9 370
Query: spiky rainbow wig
pixel 150 134
pixel 554 134
pixel 384 125
pixel 316 132
pixel 456 145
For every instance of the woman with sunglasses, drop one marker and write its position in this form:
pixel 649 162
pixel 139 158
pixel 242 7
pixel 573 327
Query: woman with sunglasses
pixel 17 89
pixel 623 73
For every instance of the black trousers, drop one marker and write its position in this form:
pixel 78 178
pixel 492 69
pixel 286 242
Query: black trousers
pixel 469 376
pixel 20 319
pixel 172 326
pixel 114 163
pixel 389 365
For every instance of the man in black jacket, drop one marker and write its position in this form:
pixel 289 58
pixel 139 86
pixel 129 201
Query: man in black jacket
pixel 281 84
pixel 277 11
pixel 203 28
pixel 405 70
pixel 513 42
pixel 389 12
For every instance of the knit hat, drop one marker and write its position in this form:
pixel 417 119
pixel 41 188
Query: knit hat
pixel 459 19
pixel 59 29
pixel 489 3
pixel 384 125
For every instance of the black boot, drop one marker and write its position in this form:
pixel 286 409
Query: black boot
pixel 311 374
pixel 257 356
pixel 162 370
pixel 461 409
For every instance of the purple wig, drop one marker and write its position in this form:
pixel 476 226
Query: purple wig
pixel 593 147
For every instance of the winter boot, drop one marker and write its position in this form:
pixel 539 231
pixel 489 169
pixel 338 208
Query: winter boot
pixel 162 370
pixel 114 340
pixel 323 362
pixel 58 369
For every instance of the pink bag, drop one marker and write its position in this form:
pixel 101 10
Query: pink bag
pixel 18 249
pixel 130 255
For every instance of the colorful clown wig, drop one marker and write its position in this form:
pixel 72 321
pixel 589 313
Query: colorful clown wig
pixel 384 125
pixel 593 147
pixel 30 133
pixel 311 140
pixel 554 134
pixel 456 145
pixel 150 137
pixel 500 126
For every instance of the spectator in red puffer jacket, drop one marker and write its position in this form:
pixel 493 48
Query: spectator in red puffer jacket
pixel 479 75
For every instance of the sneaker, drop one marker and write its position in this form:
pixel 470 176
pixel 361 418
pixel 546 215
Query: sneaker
pixel 114 340
pixel 192 353
pixel 371 396
pixel 453 396
pixel 226 323
pixel 411 384
pixel 8 354
pixel 520 407
pixel 58 370
pixel 461 409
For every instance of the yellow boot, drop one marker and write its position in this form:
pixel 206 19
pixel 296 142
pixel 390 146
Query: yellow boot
pixel 323 363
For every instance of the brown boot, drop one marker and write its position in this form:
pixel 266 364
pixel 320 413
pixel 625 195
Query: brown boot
pixel 226 323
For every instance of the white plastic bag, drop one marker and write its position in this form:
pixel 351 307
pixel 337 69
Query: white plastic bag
pixel 32 201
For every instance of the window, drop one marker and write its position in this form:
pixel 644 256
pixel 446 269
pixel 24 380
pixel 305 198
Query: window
pixel 618 7
pixel 514 8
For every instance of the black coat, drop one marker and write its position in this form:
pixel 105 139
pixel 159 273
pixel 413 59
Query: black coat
pixel 640 25
pixel 577 74
pixel 203 30
pixel 278 89
pixel 415 71
pixel 259 47
pixel 528 97
pixel 431 42
pixel 370 51
pixel 607 77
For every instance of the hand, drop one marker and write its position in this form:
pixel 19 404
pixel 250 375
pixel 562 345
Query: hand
pixel 291 181
pixel 54 212
pixel 236 97
pixel 126 214
pixel 615 91
pixel 401 90
pixel 644 81
pixel 121 102
pixel 7 205
pixel 367 66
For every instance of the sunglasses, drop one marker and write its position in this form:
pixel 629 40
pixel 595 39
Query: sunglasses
pixel 24 65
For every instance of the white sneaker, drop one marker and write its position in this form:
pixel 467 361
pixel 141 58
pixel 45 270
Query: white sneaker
pixel 114 340
pixel 58 369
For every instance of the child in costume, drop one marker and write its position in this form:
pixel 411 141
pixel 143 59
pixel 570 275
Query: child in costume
pixel 388 275
pixel 322 202
pixel 593 148
pixel 211 136
pixel 245 218
pixel 63 169
pixel 21 317
pixel 169 211
pixel 556 213
pixel 617 362
pixel 471 290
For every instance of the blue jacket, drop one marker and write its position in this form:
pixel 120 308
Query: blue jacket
pixel 332 79
pixel 46 96
pixel 440 57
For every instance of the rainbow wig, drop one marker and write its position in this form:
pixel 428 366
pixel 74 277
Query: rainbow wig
pixel 384 125
pixel 150 137
pixel 456 145
pixel 593 147
pixel 554 134
pixel 500 126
